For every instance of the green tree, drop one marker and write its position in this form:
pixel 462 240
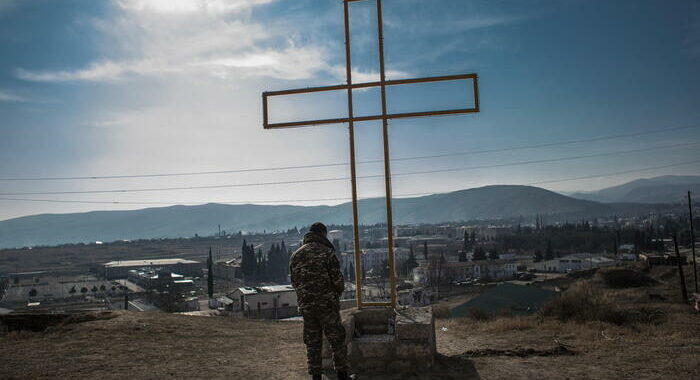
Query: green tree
pixel 538 256
pixel 425 250
pixel 248 263
pixel 210 276
pixel 479 254
pixel 410 263
pixel 32 292
pixel 549 252
pixel 493 255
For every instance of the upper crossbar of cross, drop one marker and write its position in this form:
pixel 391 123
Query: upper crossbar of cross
pixel 384 117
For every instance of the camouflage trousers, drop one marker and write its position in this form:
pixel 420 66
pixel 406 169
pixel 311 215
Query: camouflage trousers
pixel 316 324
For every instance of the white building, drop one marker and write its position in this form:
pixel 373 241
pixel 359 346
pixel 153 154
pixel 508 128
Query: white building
pixel 372 257
pixel 574 262
pixel 269 302
pixel 461 271
pixel 228 269
pixel 120 269
pixel 335 234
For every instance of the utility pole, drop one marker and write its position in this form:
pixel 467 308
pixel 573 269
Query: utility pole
pixel 126 300
pixel 684 291
pixel 692 242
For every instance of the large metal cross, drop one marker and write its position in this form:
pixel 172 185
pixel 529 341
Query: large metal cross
pixel 384 117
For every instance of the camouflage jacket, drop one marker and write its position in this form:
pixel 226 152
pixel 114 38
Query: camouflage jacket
pixel 315 273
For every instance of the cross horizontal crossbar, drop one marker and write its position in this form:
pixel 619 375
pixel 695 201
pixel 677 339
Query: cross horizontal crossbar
pixel 353 86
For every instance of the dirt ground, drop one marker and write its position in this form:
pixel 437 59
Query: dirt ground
pixel 157 345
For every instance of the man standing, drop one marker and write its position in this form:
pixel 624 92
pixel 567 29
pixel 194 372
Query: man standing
pixel 316 277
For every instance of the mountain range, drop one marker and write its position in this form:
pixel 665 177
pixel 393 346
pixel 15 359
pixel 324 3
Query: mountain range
pixel 664 189
pixel 489 202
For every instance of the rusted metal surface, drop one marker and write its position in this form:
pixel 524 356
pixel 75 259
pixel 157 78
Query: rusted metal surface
pixel 349 87
pixel 384 117
pixel 387 163
pixel 353 171
pixel 355 86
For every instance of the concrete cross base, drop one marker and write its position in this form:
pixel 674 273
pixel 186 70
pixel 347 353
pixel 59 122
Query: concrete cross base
pixel 381 339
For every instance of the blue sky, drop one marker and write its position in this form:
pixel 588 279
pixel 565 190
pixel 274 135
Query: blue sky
pixel 90 88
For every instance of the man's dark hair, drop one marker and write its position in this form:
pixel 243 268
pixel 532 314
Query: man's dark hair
pixel 319 228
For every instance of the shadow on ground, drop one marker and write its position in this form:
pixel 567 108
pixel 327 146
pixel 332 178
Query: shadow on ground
pixel 445 368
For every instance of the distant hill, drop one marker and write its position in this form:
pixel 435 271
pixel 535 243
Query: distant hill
pixel 490 202
pixel 665 189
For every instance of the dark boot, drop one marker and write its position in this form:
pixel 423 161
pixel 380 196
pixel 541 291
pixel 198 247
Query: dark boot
pixel 317 377
pixel 343 375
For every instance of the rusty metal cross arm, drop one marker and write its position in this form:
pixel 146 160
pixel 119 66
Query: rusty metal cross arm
pixel 353 86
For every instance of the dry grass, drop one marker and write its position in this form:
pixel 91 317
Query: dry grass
pixel 624 278
pixel 478 315
pixel 149 345
pixel 583 302
pixel 441 311
pixel 658 340
pixel 146 345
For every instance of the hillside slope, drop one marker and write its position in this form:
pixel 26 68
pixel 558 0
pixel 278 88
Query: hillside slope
pixel 664 189
pixel 490 202
pixel 155 345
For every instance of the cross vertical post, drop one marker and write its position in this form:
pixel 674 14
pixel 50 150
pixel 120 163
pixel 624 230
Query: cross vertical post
pixel 384 117
pixel 353 175
pixel 387 164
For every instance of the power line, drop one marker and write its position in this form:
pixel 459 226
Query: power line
pixel 202 187
pixel 294 167
pixel 548 160
pixel 609 174
pixel 613 173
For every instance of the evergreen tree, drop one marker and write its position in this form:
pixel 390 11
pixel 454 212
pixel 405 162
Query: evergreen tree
pixel 538 256
pixel 425 250
pixel 248 262
pixel 260 267
pixel 409 264
pixel 549 252
pixel 479 254
pixel 493 255
pixel 465 244
pixel 210 276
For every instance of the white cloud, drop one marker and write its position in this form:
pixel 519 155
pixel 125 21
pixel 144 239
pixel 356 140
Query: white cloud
pixel 362 76
pixel 10 97
pixel 190 6
pixel 194 38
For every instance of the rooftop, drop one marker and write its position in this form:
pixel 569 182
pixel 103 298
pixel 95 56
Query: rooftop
pixel 266 289
pixel 145 263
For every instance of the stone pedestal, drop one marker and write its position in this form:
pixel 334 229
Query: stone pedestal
pixel 381 340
